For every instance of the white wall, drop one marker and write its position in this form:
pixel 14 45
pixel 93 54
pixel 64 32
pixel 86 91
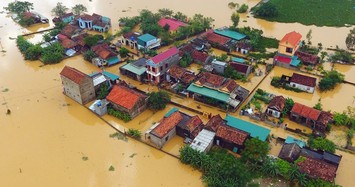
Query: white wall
pixel 302 87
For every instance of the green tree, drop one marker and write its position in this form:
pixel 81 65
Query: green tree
pixel 243 8
pixel 288 107
pixel 19 7
pixel 341 56
pixel 92 40
pixel 235 19
pixel 89 55
pixel 330 80
pixel 350 40
pixel 103 92
pixel 23 44
pixel 309 37
pixel 340 118
pixel 33 52
pixel 165 12
pixel 255 150
pixel 266 10
pixel 79 9
pixel 183 32
pixel 323 54
pixel 59 10
pixel 180 16
pixel 199 23
pixel 134 133
pixel 321 144
pixel 123 52
pixel 52 54
pixel 47 37
pixel 158 100
pixel 186 60
pixel 130 22
pixel 318 106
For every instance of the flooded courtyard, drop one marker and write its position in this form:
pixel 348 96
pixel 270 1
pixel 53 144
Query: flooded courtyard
pixel 49 138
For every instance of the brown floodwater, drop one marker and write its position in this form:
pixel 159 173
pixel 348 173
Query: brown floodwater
pixel 47 134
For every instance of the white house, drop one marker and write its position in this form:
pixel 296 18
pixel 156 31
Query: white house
pixel 276 106
pixel 303 82
pixel 219 66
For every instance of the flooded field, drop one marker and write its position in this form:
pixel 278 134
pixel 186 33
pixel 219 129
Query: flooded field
pixel 48 137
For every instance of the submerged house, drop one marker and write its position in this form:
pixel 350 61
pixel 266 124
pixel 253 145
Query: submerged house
pixel 288 45
pixel 95 21
pixel 201 57
pixel 127 100
pixel 159 64
pixel 77 85
pixel 242 68
pixel 221 90
pixel 172 24
pixel 276 106
pixel 105 55
pixel 130 39
pixel 70 30
pixel 135 70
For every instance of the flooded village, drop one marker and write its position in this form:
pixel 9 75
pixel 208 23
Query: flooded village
pixel 128 106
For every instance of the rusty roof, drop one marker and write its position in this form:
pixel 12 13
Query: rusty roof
pixel 186 49
pixel 124 97
pixel 167 124
pixel 68 43
pixel 73 74
pixel 103 51
pixel 318 169
pixel 230 85
pixel 305 111
pixel 207 78
pixel 293 38
pixel 277 102
pixel 307 57
pixel 215 38
pixel 231 134
pixel 193 123
pixel 303 79
pixel 182 74
pixel 239 67
pixel 69 30
pixel 215 122
pixel 199 56
pixel 325 118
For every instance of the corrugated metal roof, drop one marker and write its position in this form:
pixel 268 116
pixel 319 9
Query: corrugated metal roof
pixel 146 37
pixel 291 139
pixel 215 94
pixel 230 34
pixel 240 60
pixel 255 131
pixel 171 111
pixel 134 69
pixel 99 79
pixel 219 62
pixel 202 140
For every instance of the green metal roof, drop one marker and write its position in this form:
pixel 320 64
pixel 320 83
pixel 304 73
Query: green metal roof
pixel 171 112
pixel 255 131
pixel 134 69
pixel 230 34
pixel 240 60
pixel 291 139
pixel 113 60
pixel 146 37
pixel 215 94
pixel 295 61
pixel 111 75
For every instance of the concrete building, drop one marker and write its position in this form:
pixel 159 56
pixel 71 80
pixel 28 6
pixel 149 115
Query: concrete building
pixel 77 85
pixel 276 106
pixel 203 141
pixel 219 66
pixel 135 70
pixel 148 41
pixel 303 82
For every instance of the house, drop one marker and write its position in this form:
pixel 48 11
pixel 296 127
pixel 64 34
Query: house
pixel 135 70
pixel 159 64
pixel 130 39
pixel 243 47
pixel 77 85
pixel 148 42
pixel 325 156
pixel 127 100
pixel 96 22
pixel 203 141
pixel 303 82
pixel 254 130
pixel 67 18
pixel 214 122
pixel 165 129
pixel 276 106
pixel 34 17
pixel 219 66
pixel 70 30
pixel 288 45
pixel 173 24
pixel 191 128
pixel 313 118
pixel 105 54
pixel 218 41
pixel 230 138
pixel 238 60
pixel 307 58
pixel 244 69
pixel 315 168
pixel 200 57
pixel 290 152
pixel 186 49
pixel 79 39
pixel 181 75
pixel 222 91
pixel 200 44
pixel 103 77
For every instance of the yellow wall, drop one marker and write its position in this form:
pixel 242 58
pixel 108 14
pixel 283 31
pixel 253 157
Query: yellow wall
pixel 284 45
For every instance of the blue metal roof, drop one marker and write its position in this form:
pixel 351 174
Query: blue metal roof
pixel 291 139
pixel 171 112
pixel 240 60
pixel 230 34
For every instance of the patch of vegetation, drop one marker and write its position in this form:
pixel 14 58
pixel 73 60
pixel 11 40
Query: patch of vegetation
pixel 158 100
pixel 330 80
pixel 92 40
pixel 119 136
pixel 262 96
pixel 341 56
pixel 321 144
pixel 259 56
pixel 85 158
pixel 230 72
pixel 118 114
pixel 232 5
pixel 89 55
pixel 103 92
pixel 276 82
pixel 243 8
pixel 134 133
pixel 111 168
pixel 346 118
pixel 186 60
pixel 235 19
pixel 288 107
pixel 123 52
pixel 266 10
pixel 318 105
pixel 350 40
pixel 53 54
pixel 324 12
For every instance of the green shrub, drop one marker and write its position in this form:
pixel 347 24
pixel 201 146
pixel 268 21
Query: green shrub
pixel 134 133
pixel 243 8
pixel 52 54
pixel 118 114
pixel 321 144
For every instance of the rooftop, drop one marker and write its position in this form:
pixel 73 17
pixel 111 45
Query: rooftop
pixel 69 30
pixel 291 139
pixel 239 60
pixel 255 131
pixel 199 56
pixel 277 102
pixel 318 169
pixel 194 125
pixel 290 152
pixel 73 74
pixel 208 92
pixel 124 97
pixel 230 34
pixel 214 123
pixel 293 38
pixel 135 69
pixel 231 134
pixel 174 24
pixel 210 80
pixel 107 74
pixel 305 111
pixel 167 124
pixel 215 38
pixel 303 79
pixel 164 55
pixel 307 58
pixel 203 140
pixel 182 74
pixel 103 51
pixel 68 43
pixel 325 118
pixel 146 37
pixel 239 67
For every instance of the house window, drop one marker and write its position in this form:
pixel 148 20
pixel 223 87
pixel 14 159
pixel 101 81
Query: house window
pixel 166 65
pixel 294 85
pixel 153 69
pixel 289 50
pixel 217 142
pixel 167 138
pixel 161 68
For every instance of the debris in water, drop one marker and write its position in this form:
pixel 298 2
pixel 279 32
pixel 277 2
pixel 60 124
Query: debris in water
pixel 8 112
pixel 111 168
pixel 85 158
pixel 5 90
pixel 11 38
pixel 20 170
pixel 119 136
pixel 132 155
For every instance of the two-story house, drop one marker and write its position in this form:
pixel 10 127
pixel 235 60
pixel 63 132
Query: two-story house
pixel 288 45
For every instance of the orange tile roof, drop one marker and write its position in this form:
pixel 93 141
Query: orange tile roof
pixel 230 85
pixel 292 38
pixel 73 74
pixel 215 122
pixel 68 43
pixel 209 78
pixel 215 38
pixel 167 124
pixel 103 51
pixel 193 122
pixel 124 97
pixel 277 102
pixel 231 134
pixel 318 169
pixel 305 111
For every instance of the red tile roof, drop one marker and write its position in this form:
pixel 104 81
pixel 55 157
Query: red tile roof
pixel 173 23
pixel 61 37
pixel 307 58
pixel 28 15
pixel 243 68
pixel 303 80
pixel 103 51
pixel 215 122
pixel 211 79
pixel 167 124
pixel 305 111
pixel 165 55
pixel 68 43
pixel 230 85
pixel 231 134
pixel 283 59
pixel 73 74
pixel 193 122
pixel 188 78
pixel 215 38
pixel 293 38
pixel 318 169
pixel 181 74
pixel 124 97
pixel 86 17
pixel 67 15
pixel 278 103
pixel 69 30
pixel 325 118
pixel 199 56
